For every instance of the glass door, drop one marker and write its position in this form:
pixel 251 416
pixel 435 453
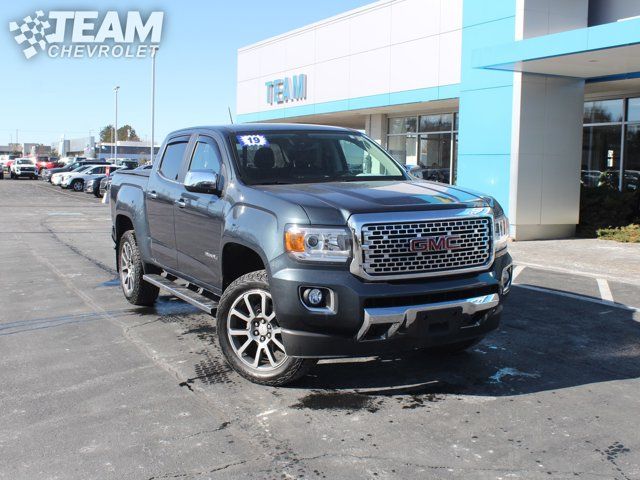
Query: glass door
pixel 435 157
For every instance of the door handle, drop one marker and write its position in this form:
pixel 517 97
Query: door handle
pixel 153 194
pixel 181 203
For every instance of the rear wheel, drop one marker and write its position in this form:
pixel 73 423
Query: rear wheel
pixel 250 336
pixel 131 270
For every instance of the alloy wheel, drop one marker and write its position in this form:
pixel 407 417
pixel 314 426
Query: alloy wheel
pixel 126 268
pixel 254 333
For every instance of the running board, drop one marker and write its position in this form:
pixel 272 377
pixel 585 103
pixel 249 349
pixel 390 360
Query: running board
pixel 200 301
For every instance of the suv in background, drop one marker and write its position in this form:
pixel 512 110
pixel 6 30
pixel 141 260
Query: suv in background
pixel 76 179
pixel 23 167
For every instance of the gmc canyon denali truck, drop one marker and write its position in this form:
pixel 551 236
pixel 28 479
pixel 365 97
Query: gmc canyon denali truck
pixel 308 242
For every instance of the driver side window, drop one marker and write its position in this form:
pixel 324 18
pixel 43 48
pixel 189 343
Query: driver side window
pixel 205 157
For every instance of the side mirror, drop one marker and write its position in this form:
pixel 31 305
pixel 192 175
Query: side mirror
pixel 202 181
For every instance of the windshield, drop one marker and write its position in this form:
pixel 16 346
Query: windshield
pixel 302 157
pixel 82 168
pixel 24 161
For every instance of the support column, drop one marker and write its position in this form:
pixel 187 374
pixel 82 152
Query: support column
pixel 520 134
pixel 376 127
pixel 546 140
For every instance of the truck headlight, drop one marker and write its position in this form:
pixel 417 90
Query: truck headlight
pixel 500 232
pixel 318 244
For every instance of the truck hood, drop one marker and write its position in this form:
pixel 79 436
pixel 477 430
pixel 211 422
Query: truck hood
pixel 334 203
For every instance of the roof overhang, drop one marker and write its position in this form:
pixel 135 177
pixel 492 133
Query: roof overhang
pixel 601 51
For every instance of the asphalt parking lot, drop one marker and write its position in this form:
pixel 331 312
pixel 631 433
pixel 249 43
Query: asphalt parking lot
pixel 93 387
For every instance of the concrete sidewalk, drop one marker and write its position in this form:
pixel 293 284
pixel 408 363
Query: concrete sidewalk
pixel 613 261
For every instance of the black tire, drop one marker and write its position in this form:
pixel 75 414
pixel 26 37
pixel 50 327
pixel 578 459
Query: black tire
pixel 77 185
pixel 453 348
pixel 286 372
pixel 141 293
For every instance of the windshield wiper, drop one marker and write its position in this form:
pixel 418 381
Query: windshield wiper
pixel 273 182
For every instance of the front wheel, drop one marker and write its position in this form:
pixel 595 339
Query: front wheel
pixel 131 270
pixel 250 336
pixel 77 185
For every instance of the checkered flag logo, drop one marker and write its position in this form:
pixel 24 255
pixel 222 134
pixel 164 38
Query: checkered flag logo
pixel 31 33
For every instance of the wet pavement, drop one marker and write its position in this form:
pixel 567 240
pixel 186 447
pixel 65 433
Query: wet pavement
pixel 96 388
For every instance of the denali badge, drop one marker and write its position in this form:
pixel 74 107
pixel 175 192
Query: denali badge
pixel 435 244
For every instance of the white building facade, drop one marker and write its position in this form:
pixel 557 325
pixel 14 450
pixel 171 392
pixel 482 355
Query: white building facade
pixel 525 100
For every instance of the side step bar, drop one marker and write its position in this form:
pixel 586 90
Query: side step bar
pixel 200 301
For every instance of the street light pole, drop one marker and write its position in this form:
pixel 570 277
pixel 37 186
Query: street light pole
pixel 153 99
pixel 115 128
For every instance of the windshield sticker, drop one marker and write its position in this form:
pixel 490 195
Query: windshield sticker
pixel 252 140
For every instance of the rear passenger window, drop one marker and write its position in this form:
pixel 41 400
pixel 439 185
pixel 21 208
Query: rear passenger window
pixel 172 160
pixel 205 157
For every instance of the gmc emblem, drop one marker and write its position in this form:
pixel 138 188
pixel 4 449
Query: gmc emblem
pixel 435 244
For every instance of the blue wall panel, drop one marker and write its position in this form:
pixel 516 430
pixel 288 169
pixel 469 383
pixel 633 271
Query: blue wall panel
pixel 486 100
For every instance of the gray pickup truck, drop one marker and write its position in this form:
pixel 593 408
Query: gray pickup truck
pixel 309 242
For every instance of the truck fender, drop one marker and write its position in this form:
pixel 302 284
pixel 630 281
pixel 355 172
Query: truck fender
pixel 254 228
pixel 130 204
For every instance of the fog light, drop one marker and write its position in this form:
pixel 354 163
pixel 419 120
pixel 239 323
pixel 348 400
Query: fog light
pixel 505 281
pixel 318 299
pixel 315 296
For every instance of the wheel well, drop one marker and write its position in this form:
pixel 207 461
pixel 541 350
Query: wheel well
pixel 123 224
pixel 238 260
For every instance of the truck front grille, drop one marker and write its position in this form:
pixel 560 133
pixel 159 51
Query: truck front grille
pixel 386 247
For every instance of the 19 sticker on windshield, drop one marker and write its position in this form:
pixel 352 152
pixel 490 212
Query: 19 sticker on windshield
pixel 252 140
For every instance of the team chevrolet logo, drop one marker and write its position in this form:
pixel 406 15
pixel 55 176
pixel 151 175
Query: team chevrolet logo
pixel 439 243
pixel 88 34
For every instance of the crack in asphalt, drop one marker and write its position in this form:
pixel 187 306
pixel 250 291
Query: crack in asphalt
pixel 76 250
pixel 205 472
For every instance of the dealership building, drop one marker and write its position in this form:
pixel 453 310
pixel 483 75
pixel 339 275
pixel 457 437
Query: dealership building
pixel 525 100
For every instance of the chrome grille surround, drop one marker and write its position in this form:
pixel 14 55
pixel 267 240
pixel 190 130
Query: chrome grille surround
pixel 381 247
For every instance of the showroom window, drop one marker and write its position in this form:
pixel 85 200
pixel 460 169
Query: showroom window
pixel 611 144
pixel 429 143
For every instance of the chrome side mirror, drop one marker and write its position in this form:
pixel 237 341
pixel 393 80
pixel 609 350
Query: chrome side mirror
pixel 203 181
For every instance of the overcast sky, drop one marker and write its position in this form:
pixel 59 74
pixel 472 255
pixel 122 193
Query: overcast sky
pixel 45 98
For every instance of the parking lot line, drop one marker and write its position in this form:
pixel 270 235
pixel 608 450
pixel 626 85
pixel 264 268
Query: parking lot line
pixel 573 272
pixel 517 270
pixel 605 291
pixel 580 297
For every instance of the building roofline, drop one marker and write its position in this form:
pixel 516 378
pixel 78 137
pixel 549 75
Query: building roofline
pixel 341 16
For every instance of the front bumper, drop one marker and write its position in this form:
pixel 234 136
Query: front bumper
pixel 371 318
pixel 25 173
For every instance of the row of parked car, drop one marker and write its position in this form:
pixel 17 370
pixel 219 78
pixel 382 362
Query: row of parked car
pixel 81 174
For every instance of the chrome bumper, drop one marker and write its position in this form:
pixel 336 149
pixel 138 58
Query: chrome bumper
pixel 396 317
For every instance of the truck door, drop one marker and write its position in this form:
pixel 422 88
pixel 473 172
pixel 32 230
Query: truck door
pixel 199 220
pixel 163 190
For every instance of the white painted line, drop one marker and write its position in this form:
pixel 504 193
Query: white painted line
pixel 576 272
pixel 580 297
pixel 268 412
pixel 605 291
pixel 517 270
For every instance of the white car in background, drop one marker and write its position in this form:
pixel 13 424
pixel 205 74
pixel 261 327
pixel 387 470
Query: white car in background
pixel 56 178
pixel 76 180
pixel 23 167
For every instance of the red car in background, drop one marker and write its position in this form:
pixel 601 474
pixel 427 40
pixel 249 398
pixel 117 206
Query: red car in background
pixel 48 163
